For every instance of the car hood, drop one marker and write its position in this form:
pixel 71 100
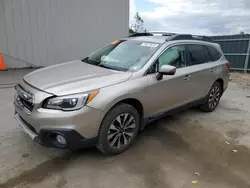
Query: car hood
pixel 74 77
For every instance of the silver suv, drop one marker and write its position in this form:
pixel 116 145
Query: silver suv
pixel 106 99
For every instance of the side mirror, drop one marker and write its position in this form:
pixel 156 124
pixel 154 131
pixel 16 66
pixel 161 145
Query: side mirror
pixel 166 70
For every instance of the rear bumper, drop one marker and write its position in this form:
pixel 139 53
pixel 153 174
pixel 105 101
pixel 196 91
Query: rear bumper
pixel 47 137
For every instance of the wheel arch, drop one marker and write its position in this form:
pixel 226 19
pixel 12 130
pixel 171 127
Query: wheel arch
pixel 137 104
pixel 220 80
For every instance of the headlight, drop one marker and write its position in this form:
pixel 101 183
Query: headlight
pixel 70 102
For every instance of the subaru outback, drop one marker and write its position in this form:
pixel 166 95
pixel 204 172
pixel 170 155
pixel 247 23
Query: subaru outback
pixel 107 98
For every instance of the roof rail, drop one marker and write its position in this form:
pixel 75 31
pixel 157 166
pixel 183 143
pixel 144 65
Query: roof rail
pixel 174 36
pixel 162 33
pixel 151 34
pixel 140 34
pixel 189 37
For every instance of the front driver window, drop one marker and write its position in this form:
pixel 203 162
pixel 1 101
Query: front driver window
pixel 173 56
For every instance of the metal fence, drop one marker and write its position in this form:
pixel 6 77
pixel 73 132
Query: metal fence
pixel 236 49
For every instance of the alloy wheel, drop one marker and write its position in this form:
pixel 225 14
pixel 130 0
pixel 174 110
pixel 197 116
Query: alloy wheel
pixel 214 97
pixel 121 130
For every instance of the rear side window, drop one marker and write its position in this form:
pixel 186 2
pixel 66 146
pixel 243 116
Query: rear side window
pixel 213 53
pixel 197 54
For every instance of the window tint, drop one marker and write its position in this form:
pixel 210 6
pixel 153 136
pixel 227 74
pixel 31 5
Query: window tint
pixel 213 53
pixel 197 54
pixel 173 56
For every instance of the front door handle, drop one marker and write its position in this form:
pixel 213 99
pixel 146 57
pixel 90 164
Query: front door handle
pixel 212 69
pixel 187 77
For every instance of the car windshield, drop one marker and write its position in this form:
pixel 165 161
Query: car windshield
pixel 126 55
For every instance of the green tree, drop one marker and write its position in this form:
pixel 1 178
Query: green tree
pixel 138 25
pixel 242 33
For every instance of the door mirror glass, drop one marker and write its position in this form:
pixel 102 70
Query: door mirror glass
pixel 167 70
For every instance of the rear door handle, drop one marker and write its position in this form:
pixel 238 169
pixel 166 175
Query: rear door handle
pixel 212 69
pixel 187 77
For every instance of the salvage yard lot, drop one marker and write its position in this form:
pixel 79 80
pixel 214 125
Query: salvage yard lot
pixel 210 149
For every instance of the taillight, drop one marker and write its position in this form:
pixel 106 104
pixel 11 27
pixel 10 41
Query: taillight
pixel 228 65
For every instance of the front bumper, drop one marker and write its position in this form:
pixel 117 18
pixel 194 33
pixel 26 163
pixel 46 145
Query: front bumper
pixel 47 137
pixel 85 121
pixel 80 127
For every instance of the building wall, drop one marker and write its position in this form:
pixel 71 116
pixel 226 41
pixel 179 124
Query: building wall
pixel 44 32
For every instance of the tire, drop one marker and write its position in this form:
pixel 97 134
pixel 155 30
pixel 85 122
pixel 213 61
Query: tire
pixel 213 98
pixel 119 129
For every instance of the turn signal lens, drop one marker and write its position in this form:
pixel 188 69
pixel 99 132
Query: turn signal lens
pixel 92 96
pixel 115 42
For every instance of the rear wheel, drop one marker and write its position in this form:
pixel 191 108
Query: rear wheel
pixel 118 129
pixel 213 98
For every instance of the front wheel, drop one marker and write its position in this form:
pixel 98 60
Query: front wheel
pixel 119 129
pixel 213 98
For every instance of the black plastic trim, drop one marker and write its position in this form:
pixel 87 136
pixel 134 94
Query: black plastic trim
pixel 74 139
pixel 189 37
pixel 28 125
pixel 175 36
pixel 140 34
pixel 148 120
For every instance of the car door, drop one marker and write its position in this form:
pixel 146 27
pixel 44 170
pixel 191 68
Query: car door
pixel 172 90
pixel 202 72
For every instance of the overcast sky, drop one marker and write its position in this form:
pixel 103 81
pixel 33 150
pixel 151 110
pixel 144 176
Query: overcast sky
pixel 207 17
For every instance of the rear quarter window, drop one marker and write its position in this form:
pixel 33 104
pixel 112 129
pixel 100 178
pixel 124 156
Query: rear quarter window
pixel 213 53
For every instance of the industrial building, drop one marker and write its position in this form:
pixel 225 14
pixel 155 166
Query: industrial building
pixel 38 33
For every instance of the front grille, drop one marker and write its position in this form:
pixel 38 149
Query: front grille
pixel 25 97
pixel 28 125
pixel 27 104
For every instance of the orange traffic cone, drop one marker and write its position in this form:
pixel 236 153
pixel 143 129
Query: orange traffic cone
pixel 2 65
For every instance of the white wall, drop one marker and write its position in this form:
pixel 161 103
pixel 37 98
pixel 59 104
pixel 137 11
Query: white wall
pixel 45 32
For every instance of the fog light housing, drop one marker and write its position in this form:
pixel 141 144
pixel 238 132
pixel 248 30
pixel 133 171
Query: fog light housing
pixel 60 139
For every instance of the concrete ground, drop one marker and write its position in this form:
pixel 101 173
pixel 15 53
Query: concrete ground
pixel 210 149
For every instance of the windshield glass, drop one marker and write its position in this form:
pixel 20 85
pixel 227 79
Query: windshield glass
pixel 124 55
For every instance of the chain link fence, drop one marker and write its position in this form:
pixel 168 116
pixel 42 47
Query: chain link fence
pixel 236 49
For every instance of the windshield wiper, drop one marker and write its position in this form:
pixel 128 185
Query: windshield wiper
pixel 85 60
pixel 112 67
pixel 105 66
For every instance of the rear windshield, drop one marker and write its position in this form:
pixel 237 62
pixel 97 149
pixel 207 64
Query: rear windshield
pixel 126 55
